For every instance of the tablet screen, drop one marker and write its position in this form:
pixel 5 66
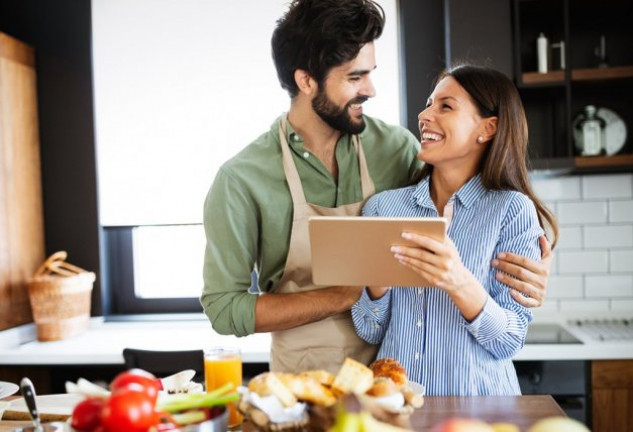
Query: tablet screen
pixel 355 250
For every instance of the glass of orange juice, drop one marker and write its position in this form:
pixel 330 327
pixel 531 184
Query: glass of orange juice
pixel 223 365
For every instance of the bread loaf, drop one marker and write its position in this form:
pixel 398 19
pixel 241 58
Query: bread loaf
pixel 353 377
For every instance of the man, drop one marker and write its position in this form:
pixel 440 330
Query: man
pixel 323 158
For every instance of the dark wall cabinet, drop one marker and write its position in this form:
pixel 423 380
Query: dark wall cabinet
pixel 595 67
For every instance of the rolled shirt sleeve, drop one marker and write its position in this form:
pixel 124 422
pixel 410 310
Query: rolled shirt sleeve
pixel 230 227
pixel 501 327
pixel 371 317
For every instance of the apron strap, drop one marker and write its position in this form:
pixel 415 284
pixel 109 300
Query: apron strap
pixel 292 175
pixel 366 183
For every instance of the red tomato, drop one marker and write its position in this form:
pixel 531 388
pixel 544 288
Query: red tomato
pixel 87 414
pixel 149 382
pixel 129 409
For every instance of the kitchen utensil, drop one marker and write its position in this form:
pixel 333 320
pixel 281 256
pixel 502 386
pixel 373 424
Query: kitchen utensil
pixel 28 392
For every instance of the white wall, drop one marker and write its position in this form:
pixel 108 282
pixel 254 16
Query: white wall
pixel 593 263
pixel 182 85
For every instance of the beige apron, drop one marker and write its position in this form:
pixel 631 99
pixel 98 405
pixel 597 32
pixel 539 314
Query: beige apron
pixel 323 344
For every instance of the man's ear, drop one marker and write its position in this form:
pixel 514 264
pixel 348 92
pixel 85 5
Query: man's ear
pixel 305 82
pixel 490 128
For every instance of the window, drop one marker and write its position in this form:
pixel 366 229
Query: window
pixel 180 86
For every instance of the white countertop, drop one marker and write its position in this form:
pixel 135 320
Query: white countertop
pixel 103 343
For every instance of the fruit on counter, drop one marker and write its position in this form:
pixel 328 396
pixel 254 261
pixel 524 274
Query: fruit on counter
pixel 130 408
pixel 87 414
pixel 505 427
pixel 352 417
pixel 144 379
pixel 135 405
pixel 558 424
pixel 462 424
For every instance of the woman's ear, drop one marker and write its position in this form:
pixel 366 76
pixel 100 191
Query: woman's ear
pixel 305 82
pixel 489 128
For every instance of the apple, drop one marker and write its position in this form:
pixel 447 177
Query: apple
pixel 505 427
pixel 558 424
pixel 459 424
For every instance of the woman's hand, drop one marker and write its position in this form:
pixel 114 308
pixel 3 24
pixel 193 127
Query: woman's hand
pixel 438 263
pixel 525 276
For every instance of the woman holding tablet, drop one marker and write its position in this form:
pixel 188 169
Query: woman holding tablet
pixel 458 336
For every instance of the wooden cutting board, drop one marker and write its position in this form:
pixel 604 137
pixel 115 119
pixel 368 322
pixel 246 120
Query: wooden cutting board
pixel 55 407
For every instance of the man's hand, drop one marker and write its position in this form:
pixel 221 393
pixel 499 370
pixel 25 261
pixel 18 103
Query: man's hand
pixel 530 277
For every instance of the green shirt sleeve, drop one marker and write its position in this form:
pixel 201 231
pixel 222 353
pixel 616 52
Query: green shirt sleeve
pixel 230 223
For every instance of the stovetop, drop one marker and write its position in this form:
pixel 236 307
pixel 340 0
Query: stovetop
pixel 599 330
pixel 549 334
pixel 611 330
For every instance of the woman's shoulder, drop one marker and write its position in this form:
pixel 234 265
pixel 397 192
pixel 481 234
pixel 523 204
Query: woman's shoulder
pixel 514 202
pixel 390 194
pixel 389 201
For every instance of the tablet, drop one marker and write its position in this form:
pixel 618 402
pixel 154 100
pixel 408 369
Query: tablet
pixel 355 250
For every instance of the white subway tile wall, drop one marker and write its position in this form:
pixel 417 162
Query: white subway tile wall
pixel 593 262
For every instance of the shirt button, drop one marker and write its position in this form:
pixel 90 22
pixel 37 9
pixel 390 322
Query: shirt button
pixel 306 155
pixel 417 356
pixel 377 325
pixel 376 309
pixel 419 291
pixel 419 323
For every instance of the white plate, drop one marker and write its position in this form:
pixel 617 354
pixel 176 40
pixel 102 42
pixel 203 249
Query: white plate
pixel 7 389
pixel 614 132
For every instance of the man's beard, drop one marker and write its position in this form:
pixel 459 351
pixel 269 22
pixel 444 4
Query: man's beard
pixel 337 118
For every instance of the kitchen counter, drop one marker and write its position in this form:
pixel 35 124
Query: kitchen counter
pixel 103 343
pixel 523 411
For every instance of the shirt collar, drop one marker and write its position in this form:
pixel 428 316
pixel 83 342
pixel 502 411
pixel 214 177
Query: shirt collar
pixel 467 195
pixel 294 139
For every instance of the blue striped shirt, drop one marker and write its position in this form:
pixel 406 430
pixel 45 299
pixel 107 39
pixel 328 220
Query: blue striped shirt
pixel 422 328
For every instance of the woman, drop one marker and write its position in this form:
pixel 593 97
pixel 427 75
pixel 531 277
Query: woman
pixel 458 336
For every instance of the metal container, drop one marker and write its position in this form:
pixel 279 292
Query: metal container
pixel 218 424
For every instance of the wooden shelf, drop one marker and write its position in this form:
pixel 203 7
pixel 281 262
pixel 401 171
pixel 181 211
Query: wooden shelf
pixel 553 77
pixel 603 161
pixel 594 74
pixel 602 73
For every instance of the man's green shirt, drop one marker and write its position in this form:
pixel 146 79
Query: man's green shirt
pixel 248 210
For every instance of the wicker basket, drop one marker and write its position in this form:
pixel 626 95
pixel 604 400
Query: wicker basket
pixel 60 294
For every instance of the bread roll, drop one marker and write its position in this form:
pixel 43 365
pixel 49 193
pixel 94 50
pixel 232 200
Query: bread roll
pixel 382 387
pixel 390 368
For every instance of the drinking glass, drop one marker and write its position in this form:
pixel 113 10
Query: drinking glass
pixel 223 365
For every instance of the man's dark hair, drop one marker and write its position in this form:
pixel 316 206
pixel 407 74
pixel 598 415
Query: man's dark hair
pixel 316 35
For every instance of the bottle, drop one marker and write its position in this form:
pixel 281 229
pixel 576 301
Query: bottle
pixel 541 53
pixel 592 128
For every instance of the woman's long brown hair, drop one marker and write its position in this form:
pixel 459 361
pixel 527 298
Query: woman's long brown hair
pixel 504 163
